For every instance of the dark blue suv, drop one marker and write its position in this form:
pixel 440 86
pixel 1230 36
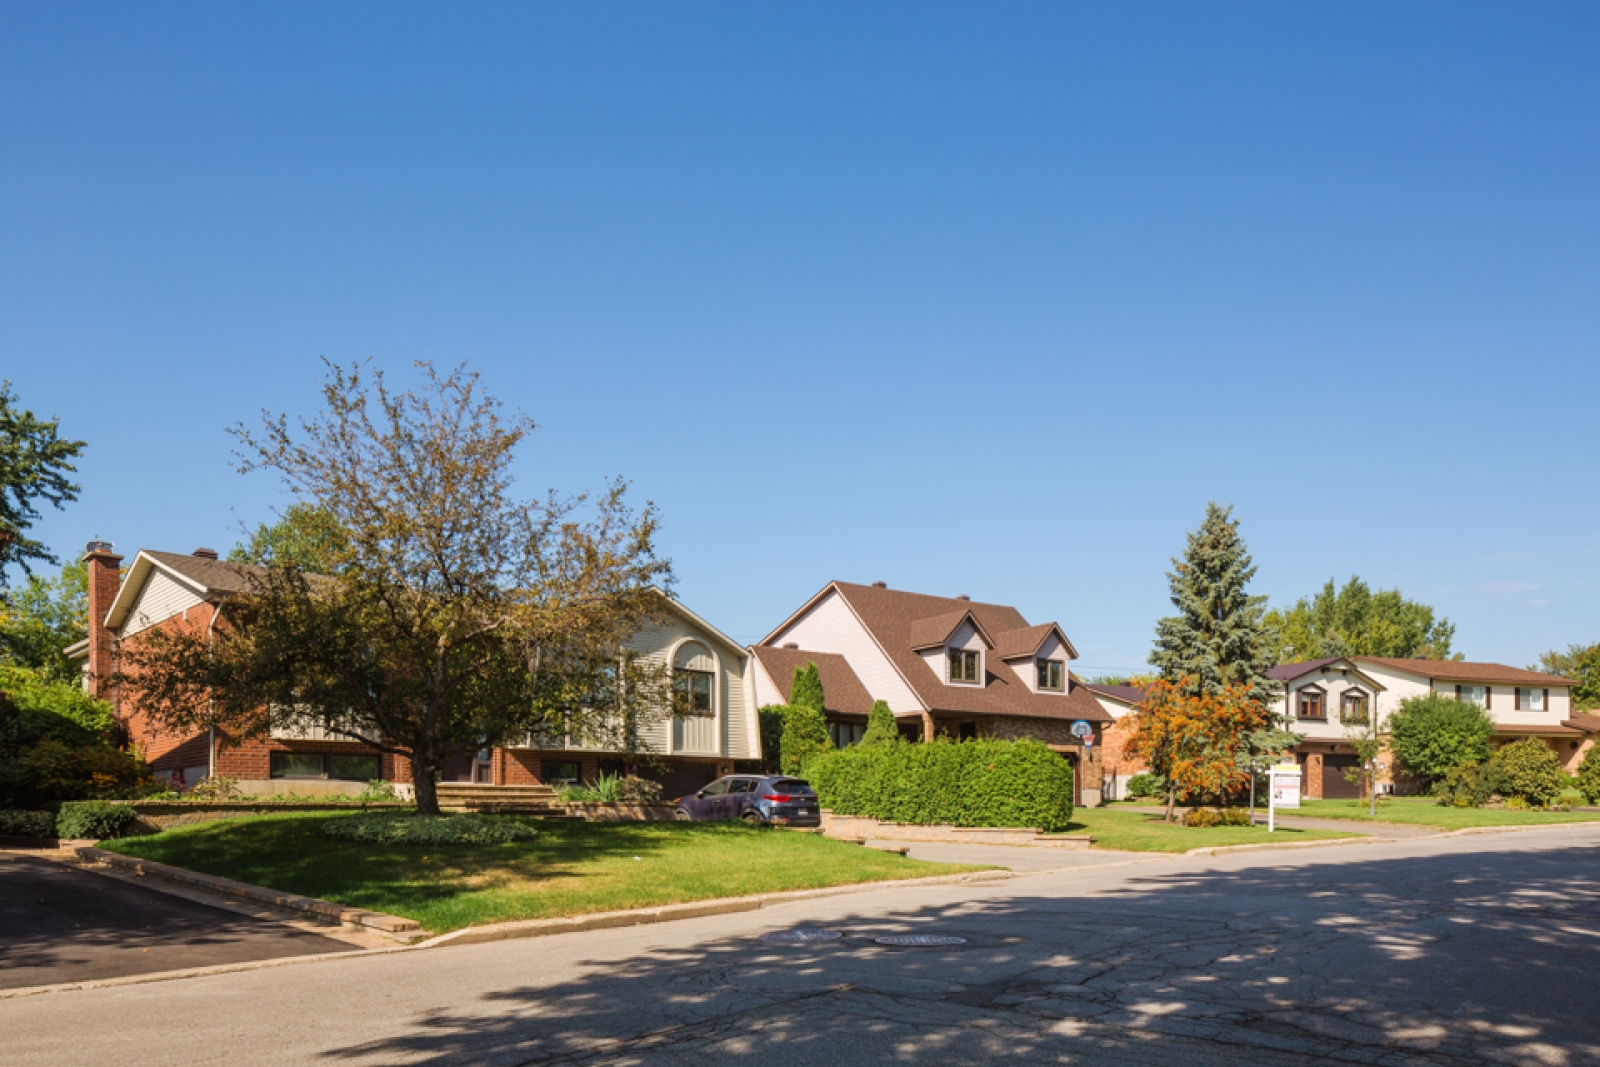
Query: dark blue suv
pixel 761 800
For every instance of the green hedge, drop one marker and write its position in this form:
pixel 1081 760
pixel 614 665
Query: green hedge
pixel 967 783
pixel 96 820
pixel 27 823
pixel 404 828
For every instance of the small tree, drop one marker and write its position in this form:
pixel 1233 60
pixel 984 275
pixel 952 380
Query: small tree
pixel 806 689
pixel 1196 742
pixel 805 733
pixel 1528 769
pixel 1432 735
pixel 1589 775
pixel 770 718
pixel 881 726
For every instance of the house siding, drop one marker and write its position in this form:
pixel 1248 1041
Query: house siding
pixel 162 597
pixel 830 626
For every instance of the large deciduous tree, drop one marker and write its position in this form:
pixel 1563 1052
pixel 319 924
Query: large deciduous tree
pixel 1433 735
pixel 1355 621
pixel 304 536
pixel 1217 640
pixel 34 465
pixel 456 615
pixel 1197 741
pixel 1581 663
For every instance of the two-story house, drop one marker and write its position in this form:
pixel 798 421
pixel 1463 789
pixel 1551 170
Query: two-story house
pixel 713 725
pixel 946 666
pixel 1329 700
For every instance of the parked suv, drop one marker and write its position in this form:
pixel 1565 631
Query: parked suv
pixel 761 800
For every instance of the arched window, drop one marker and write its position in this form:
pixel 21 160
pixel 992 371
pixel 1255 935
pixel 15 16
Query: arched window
pixel 694 678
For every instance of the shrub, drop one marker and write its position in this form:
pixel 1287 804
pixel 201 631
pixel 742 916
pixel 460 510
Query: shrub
pixel 970 783
pixel 96 820
pixel 1433 735
pixel 881 727
pixel 376 792
pixel 1469 785
pixel 633 790
pixel 805 736
pixel 54 744
pixel 405 828
pixel 1201 817
pixel 215 787
pixel 27 823
pixel 1147 785
pixel 1528 769
pixel 770 718
pixel 1587 780
pixel 1235 816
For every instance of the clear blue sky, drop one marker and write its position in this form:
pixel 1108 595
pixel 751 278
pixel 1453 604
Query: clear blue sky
pixel 984 299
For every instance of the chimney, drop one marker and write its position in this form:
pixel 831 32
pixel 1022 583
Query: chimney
pixel 104 579
pixel 880 585
pixel 962 596
pixel 791 644
pixel 205 553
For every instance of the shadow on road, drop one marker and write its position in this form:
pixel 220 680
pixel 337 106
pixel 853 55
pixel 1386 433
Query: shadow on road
pixel 1440 960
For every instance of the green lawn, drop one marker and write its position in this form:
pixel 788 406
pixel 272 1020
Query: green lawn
pixel 1422 811
pixel 1137 831
pixel 572 868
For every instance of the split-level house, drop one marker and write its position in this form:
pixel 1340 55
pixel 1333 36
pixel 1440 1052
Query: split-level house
pixel 946 666
pixel 1327 701
pixel 712 725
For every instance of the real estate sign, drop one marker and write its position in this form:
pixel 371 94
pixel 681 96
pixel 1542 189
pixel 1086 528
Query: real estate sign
pixel 1285 785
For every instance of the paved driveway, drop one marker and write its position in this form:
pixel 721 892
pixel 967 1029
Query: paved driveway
pixel 59 924
pixel 1443 952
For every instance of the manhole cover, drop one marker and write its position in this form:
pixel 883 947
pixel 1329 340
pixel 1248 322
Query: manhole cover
pixel 798 937
pixel 920 939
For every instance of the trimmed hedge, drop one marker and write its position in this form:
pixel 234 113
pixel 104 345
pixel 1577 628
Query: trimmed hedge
pixel 967 783
pixel 96 820
pixel 404 828
pixel 27 823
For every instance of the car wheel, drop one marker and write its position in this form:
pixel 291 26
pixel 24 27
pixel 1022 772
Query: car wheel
pixel 752 819
pixel 682 816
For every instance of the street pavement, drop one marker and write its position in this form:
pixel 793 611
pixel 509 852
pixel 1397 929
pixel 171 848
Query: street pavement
pixel 61 924
pixel 1447 950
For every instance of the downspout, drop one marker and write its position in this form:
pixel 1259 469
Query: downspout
pixel 211 729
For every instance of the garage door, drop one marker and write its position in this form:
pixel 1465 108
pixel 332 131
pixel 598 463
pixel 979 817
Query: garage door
pixel 1334 786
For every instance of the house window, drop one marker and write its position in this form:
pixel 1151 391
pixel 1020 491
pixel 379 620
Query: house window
pixel 1531 699
pixel 317 765
pixel 1476 694
pixel 1051 674
pixel 845 734
pixel 967 731
pixel 1311 705
pixel 553 771
pixel 693 692
pixel 963 665
pixel 1353 708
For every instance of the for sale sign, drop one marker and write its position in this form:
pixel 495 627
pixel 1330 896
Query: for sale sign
pixel 1286 786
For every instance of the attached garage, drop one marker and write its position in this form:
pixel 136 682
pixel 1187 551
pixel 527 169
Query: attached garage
pixel 1334 784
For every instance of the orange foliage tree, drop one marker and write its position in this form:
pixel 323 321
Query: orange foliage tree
pixel 1196 742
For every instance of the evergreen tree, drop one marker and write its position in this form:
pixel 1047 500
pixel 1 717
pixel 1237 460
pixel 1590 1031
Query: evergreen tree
pixel 807 688
pixel 35 462
pixel 881 727
pixel 1218 639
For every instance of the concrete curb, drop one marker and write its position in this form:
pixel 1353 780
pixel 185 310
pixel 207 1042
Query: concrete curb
pixel 194 972
pixel 1273 846
pixel 605 920
pixel 323 910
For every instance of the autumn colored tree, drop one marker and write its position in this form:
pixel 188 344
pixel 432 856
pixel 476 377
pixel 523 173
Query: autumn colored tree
pixel 1197 741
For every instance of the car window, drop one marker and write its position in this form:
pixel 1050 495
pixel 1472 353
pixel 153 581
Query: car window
pixel 791 785
pixel 716 789
pixel 742 785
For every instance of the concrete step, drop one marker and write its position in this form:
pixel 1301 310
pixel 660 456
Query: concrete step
pixel 518 799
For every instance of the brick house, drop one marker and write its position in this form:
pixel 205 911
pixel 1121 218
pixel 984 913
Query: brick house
pixel 166 590
pixel 1119 702
pixel 946 666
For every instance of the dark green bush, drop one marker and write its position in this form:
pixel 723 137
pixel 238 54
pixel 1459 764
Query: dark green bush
pixel 881 726
pixel 1235 817
pixel 1588 777
pixel 970 783
pixel 96 820
pixel 1528 769
pixel 805 735
pixel 631 790
pixel 1147 785
pixel 1433 735
pixel 1470 785
pixel 27 823
pixel 404 828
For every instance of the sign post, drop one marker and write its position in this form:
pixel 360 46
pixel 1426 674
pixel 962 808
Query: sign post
pixel 1283 781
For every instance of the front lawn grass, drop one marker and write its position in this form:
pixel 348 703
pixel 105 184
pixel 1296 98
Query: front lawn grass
pixel 571 868
pixel 1423 811
pixel 1138 831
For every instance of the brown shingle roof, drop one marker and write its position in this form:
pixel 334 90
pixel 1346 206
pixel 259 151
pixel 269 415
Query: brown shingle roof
pixel 936 630
pixel 216 575
pixel 1585 721
pixel 1128 694
pixel 1461 671
pixel 1287 672
pixel 890 615
pixel 841 688
pixel 1014 644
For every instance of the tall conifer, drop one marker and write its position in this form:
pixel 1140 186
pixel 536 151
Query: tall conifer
pixel 1218 637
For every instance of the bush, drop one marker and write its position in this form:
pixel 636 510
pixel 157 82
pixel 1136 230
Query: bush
pixel 1588 777
pixel 633 790
pixel 805 736
pixel 215 787
pixel 770 718
pixel 96 820
pixel 1528 769
pixel 970 783
pixel 1236 817
pixel 1201 817
pixel 376 792
pixel 54 744
pixel 1147 785
pixel 1470 785
pixel 405 828
pixel 881 727
pixel 27 823
pixel 1433 735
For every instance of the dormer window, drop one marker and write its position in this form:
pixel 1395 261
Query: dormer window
pixel 963 665
pixel 1052 674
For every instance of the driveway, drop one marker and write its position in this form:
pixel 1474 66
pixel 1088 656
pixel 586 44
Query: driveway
pixel 1442 952
pixel 60 924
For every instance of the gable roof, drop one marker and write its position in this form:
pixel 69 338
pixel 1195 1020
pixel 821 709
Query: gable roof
pixel 841 688
pixel 935 631
pixel 1463 671
pixel 1288 672
pixel 1017 644
pixel 207 577
pixel 889 615
pixel 1127 694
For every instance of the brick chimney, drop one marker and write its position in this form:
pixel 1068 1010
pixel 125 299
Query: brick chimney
pixel 104 579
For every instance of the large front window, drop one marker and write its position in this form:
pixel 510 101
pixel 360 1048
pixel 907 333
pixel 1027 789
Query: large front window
pixel 963 665
pixel 1052 674
pixel 692 690
pixel 319 765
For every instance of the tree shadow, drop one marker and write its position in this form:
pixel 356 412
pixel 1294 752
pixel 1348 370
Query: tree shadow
pixel 1474 958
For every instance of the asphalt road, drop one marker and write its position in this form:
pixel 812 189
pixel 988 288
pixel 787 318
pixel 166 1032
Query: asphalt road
pixel 1437 951
pixel 59 924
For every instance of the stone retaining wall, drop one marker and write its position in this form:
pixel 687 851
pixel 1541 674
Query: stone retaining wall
pixel 861 827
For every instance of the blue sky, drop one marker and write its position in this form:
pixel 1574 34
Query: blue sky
pixel 971 299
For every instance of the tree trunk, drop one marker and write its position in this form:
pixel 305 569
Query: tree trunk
pixel 422 780
pixel 1172 800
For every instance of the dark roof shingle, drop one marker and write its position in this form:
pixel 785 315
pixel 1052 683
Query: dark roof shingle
pixel 841 689
pixel 1463 671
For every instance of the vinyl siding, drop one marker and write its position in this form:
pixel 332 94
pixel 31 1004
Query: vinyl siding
pixel 830 626
pixel 730 736
pixel 162 597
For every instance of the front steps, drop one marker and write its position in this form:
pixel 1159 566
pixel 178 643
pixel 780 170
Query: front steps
pixel 504 799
